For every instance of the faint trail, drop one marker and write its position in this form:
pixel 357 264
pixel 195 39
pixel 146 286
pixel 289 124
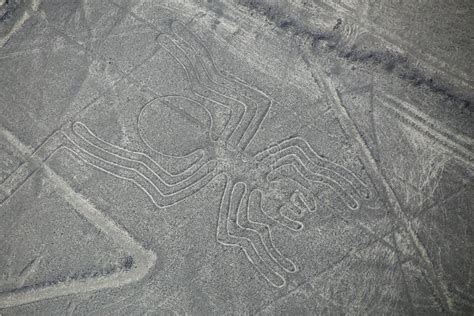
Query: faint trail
pixel 375 135
pixel 12 139
pixel 459 145
pixel 440 287
pixel 403 274
pixel 27 13
pixel 308 285
pixel 405 66
pixel 143 259
pixel 390 38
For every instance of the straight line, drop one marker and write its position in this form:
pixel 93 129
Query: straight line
pixel 440 287
pixel 459 148
pixel 144 259
pixel 332 265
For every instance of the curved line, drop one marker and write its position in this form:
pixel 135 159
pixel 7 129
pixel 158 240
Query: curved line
pixel 294 160
pixel 311 174
pixel 143 138
pixel 199 83
pixel 235 241
pixel 140 175
pixel 283 220
pixel 229 79
pixel 200 151
pixel 294 143
pixel 272 245
pixel 148 168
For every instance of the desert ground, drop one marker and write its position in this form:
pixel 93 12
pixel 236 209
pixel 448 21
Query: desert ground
pixel 247 157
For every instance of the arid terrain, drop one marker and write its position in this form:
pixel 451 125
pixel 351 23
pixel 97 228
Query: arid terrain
pixel 247 157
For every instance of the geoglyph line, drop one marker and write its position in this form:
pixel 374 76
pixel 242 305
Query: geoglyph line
pixel 263 228
pixel 301 148
pixel 183 47
pixel 142 160
pixel 204 92
pixel 462 140
pixel 246 94
pixel 211 88
pixel 439 286
pixel 144 259
pixel 228 234
pixel 460 146
pixel 142 181
pixel 98 147
pixel 240 203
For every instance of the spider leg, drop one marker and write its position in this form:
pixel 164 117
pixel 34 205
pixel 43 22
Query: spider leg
pixel 263 103
pixel 229 234
pixel 315 163
pixel 237 217
pixel 160 194
pixel 204 94
pixel 137 160
pixel 302 198
pixel 336 169
pixel 262 229
pixel 290 213
pixel 308 179
pixel 257 103
pixel 34 161
pixel 300 203
pixel 284 214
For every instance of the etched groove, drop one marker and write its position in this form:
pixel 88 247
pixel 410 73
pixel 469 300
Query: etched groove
pixel 439 285
pixel 463 140
pixel 229 204
pixel 391 38
pixel 327 178
pixel 278 216
pixel 296 163
pixel 183 112
pixel 300 201
pixel 205 93
pixel 213 90
pixel 250 94
pixel 307 201
pixel 159 198
pixel 35 160
pixel 300 148
pixel 144 259
pixel 262 228
pixel 351 33
pixel 460 146
pixel 239 205
pixel 93 144
pixel 214 109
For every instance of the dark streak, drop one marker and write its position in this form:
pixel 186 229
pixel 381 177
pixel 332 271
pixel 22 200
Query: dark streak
pixel 332 41
pixel 7 10
pixel 128 263
pixel 78 276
